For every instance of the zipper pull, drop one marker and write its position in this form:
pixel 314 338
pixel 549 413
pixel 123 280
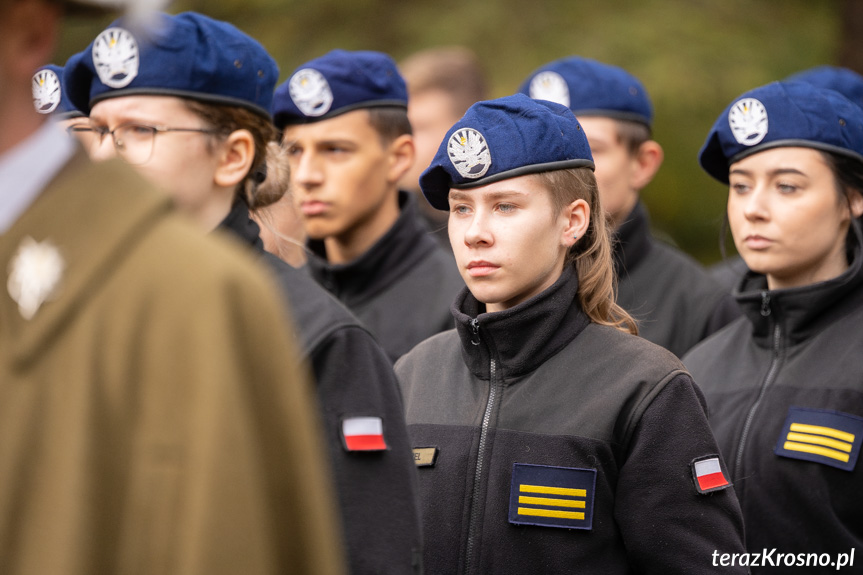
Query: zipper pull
pixel 474 328
pixel 765 304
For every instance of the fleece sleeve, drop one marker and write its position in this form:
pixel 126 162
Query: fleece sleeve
pixel 377 489
pixel 667 524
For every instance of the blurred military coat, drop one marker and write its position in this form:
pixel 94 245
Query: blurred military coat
pixel 152 417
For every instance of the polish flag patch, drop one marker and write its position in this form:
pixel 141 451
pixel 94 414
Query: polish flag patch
pixel 708 475
pixel 363 434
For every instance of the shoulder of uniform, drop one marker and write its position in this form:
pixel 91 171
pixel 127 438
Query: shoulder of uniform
pixel 714 347
pixel 196 267
pixel 631 346
pixel 434 349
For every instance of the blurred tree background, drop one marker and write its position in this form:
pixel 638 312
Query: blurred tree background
pixel 694 57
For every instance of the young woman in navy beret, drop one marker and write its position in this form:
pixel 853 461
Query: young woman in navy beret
pixel 784 384
pixel 548 437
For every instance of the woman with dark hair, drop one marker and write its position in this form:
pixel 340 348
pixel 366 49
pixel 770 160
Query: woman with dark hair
pixel 784 384
pixel 190 107
pixel 549 438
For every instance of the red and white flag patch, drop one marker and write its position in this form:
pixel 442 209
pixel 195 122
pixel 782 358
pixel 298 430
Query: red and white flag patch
pixel 708 475
pixel 363 434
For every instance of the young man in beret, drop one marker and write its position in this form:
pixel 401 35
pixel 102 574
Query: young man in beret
pixel 674 300
pixel 349 141
pixel 154 417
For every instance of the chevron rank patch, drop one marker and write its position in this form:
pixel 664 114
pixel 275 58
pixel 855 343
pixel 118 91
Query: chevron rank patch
pixel 552 496
pixel 708 474
pixel 363 434
pixel 821 435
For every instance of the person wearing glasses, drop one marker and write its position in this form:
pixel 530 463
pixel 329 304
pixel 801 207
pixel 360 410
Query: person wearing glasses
pixel 154 414
pixel 191 113
pixel 784 383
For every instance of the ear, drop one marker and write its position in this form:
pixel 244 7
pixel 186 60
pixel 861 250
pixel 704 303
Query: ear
pixel 855 200
pixel 577 217
pixel 401 157
pixel 236 154
pixel 646 162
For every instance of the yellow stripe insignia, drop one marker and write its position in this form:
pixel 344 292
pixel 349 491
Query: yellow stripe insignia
pixel 824 436
pixel 552 496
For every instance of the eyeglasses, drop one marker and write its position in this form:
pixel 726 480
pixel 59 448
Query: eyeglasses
pixel 133 142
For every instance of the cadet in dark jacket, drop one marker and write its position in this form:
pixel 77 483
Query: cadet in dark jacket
pixel 549 439
pixel 224 161
pixel 674 300
pixel 349 142
pixel 784 384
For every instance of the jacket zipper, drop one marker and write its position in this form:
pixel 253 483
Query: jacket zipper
pixel 768 380
pixel 473 519
pixel 474 331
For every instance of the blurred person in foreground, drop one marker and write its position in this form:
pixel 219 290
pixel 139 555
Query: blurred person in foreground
pixel 153 415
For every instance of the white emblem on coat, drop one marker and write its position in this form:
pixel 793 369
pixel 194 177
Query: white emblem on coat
pixel 115 56
pixel 46 91
pixel 550 86
pixel 311 92
pixel 748 121
pixel 34 275
pixel 469 153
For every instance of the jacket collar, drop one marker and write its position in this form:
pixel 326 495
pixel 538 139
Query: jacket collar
pixel 238 223
pixel 391 257
pixel 803 311
pixel 523 337
pixel 632 240
pixel 93 214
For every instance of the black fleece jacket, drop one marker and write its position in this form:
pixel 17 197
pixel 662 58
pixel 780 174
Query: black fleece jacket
pixel 377 490
pixel 562 446
pixel 401 288
pixel 793 360
pixel 676 302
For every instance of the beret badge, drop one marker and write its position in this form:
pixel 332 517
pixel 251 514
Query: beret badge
pixel 468 151
pixel 310 92
pixel 115 56
pixel 46 91
pixel 747 119
pixel 550 86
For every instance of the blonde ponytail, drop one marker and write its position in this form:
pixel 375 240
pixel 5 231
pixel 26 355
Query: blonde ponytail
pixel 591 255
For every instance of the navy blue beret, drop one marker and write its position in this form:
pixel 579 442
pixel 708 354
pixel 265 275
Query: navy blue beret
pixel 49 93
pixel 845 81
pixel 782 114
pixel 505 138
pixel 188 55
pixel 591 88
pixel 338 82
